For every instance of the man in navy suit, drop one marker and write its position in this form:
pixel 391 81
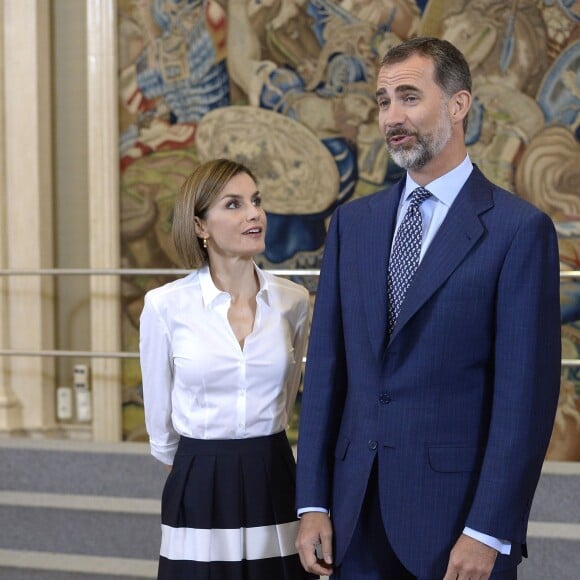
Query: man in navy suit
pixel 422 436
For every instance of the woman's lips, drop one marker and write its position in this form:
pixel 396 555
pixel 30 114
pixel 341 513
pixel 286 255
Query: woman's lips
pixel 253 232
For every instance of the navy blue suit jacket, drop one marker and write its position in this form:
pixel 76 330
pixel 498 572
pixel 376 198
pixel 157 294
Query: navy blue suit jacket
pixel 458 405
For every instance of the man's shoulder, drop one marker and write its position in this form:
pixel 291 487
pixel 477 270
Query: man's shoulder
pixel 511 203
pixel 508 202
pixel 372 200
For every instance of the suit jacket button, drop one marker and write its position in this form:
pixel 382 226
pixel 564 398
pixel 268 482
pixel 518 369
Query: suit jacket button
pixel 373 445
pixel 384 398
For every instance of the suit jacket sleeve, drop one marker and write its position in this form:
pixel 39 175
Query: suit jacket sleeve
pixel 526 381
pixel 324 383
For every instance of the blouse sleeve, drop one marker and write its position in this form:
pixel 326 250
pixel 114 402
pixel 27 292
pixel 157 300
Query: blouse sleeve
pixel 299 344
pixel 157 376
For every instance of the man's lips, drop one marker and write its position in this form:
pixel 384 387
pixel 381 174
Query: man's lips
pixel 399 138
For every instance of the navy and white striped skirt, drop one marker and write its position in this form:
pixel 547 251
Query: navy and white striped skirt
pixel 228 511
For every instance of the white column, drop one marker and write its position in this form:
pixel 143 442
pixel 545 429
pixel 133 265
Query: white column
pixel 104 215
pixel 10 408
pixel 28 323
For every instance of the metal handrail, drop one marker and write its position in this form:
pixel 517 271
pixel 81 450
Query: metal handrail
pixel 566 362
pixel 134 272
pixel 69 353
pixel 167 272
pixel 157 272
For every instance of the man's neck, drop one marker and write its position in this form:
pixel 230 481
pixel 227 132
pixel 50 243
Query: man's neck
pixel 448 158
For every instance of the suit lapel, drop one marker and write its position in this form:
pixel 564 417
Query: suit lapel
pixel 458 234
pixel 374 243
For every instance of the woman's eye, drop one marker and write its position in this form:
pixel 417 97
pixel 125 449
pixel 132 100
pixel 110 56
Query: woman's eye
pixel 257 201
pixel 232 205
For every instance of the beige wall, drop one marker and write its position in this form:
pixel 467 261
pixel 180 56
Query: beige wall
pixel 28 204
pixel 58 167
pixel 70 149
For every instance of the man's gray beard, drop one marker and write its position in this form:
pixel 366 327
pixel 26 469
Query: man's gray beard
pixel 414 158
pixel 425 149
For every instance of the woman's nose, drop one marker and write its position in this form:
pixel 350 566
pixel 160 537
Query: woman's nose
pixel 253 213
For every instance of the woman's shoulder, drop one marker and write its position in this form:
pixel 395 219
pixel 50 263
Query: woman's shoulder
pixel 169 290
pixel 287 288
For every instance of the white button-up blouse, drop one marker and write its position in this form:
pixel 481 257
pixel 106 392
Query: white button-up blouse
pixel 199 382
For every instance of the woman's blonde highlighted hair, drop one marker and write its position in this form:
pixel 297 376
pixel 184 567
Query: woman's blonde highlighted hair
pixel 194 199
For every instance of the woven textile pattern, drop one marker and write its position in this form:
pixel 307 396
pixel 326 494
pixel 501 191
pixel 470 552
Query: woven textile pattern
pixel 405 255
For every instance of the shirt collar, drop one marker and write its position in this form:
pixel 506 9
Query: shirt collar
pixel 210 292
pixel 447 187
pixel 263 291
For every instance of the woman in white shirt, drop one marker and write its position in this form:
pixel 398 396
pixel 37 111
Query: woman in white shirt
pixel 221 353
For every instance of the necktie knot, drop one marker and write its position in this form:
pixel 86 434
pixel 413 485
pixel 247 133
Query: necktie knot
pixel 418 196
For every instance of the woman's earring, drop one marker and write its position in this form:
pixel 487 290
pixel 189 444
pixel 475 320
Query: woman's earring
pixel 204 243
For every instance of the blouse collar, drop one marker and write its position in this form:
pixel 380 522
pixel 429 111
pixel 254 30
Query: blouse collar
pixel 211 294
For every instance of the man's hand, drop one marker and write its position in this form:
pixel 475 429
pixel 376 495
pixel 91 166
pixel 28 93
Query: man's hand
pixel 470 560
pixel 315 528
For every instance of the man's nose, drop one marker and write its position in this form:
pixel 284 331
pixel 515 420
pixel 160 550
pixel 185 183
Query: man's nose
pixel 393 116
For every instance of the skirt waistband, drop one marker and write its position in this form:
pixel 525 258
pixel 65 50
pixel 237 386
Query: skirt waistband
pixel 189 446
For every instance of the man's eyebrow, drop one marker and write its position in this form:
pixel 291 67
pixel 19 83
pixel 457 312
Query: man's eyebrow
pixel 400 89
pixel 406 88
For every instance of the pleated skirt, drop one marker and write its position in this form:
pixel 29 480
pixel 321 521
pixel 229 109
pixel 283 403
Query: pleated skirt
pixel 227 511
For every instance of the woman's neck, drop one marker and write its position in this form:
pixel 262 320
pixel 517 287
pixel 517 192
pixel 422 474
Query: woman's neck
pixel 238 278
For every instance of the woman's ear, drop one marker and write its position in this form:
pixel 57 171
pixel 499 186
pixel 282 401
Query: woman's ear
pixel 200 229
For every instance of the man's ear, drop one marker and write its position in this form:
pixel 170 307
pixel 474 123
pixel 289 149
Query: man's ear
pixel 459 105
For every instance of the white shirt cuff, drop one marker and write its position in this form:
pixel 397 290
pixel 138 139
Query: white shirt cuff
pixel 311 509
pixel 164 453
pixel 502 546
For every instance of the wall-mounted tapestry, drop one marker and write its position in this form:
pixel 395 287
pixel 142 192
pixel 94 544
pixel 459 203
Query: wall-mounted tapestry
pixel 288 87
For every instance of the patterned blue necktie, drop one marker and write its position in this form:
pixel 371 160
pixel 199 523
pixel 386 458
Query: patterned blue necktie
pixel 405 254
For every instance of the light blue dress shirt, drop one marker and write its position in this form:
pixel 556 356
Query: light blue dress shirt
pixel 434 209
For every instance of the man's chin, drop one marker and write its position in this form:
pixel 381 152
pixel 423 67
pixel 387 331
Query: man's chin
pixel 403 160
pixel 409 157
